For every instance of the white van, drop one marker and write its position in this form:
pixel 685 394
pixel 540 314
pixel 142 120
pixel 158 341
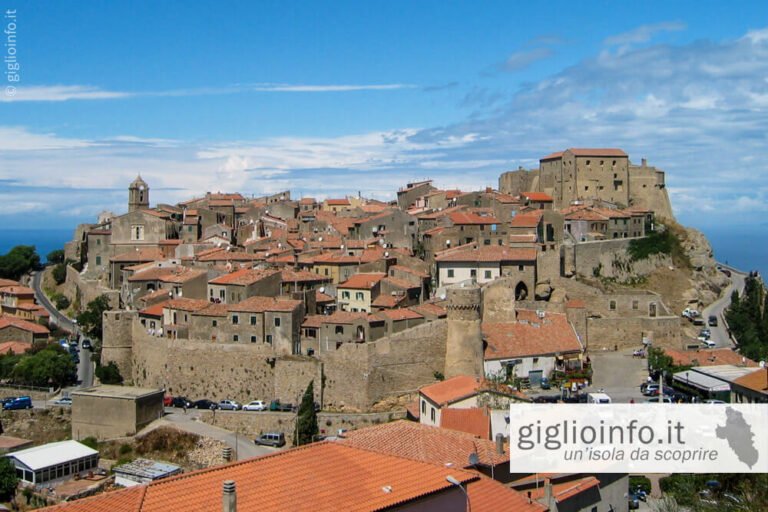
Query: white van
pixel 598 398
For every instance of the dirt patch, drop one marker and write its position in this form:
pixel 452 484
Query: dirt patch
pixel 39 425
pixel 50 288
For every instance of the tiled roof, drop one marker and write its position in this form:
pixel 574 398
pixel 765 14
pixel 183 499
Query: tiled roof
pixel 291 276
pixel 561 492
pixel 552 156
pixel 387 301
pixel 13 321
pixel 363 281
pixel 526 219
pixel 349 317
pixel 586 214
pixel 144 254
pixel 399 283
pixel 186 304
pixel 307 200
pixel 426 443
pixel 17 290
pixel 243 277
pixel 530 336
pixel 429 308
pixel 756 381
pixel 155 311
pixel 576 304
pixel 323 476
pixel 475 421
pixel 155 294
pixel 451 390
pixel 708 357
pixel 484 495
pixel 257 304
pixel 315 321
pixel 460 218
pixel 168 274
pixel 17 347
pixel 215 309
pixel 400 314
pixel 537 196
pixel 323 297
pixel 337 202
pixel 8 282
pixel 491 253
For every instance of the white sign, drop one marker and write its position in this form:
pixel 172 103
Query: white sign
pixel 639 438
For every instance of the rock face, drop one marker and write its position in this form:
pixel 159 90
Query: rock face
pixel 707 283
pixel 543 290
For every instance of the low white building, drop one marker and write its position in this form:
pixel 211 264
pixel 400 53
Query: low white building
pixel 142 471
pixel 53 462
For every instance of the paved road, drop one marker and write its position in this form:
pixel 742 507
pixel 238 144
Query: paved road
pixel 619 375
pixel 719 334
pixel 56 317
pixel 242 445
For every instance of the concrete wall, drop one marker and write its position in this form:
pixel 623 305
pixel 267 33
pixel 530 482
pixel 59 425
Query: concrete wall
pixel 112 417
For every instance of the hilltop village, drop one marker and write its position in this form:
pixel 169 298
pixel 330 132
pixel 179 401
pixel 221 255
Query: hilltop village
pixel 372 299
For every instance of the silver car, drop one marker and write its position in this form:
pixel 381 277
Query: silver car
pixel 229 405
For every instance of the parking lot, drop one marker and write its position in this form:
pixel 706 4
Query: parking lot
pixel 619 374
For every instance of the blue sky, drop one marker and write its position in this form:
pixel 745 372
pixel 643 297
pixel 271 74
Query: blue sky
pixel 335 98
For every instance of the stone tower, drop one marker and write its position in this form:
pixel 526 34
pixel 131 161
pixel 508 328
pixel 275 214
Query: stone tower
pixel 464 344
pixel 138 195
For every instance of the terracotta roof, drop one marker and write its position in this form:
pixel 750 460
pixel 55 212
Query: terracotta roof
pixel 530 336
pixel 186 304
pixel 323 297
pixel 505 198
pixel 475 421
pixel 155 294
pixel 537 196
pixel 576 304
pixel 17 347
pixel 349 317
pixel 363 281
pixel 224 195
pixel 17 290
pixel 708 357
pixel 243 277
pixel 586 214
pixel 400 314
pixel 8 282
pixel 587 152
pixel 426 443
pixel 215 309
pixel 315 321
pixel 387 301
pixel 489 253
pixel 756 381
pixel 399 283
pixel 13 321
pixel 451 390
pixel 410 271
pixel 307 200
pixel 143 254
pixel 155 311
pixel 561 492
pixel 221 202
pixel 325 476
pixel 552 156
pixel 373 208
pixel 429 308
pixel 435 231
pixel 257 304
pixel 460 218
pixel 526 219
pixel 290 276
pixel 484 495
pixel 517 239
pixel 337 202
pixel 168 274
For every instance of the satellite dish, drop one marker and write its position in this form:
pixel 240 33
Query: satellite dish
pixel 473 459
pixel 386 254
pixel 321 289
pixel 320 239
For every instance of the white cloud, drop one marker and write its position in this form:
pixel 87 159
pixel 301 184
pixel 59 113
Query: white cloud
pixel 61 93
pixel 329 88
pixel 524 58
pixel 644 33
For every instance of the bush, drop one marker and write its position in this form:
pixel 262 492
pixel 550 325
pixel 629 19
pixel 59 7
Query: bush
pixel 640 481
pixel 125 448
pixel 56 256
pixel 91 442
pixel 109 374
pixel 60 301
pixel 8 479
pixel 59 272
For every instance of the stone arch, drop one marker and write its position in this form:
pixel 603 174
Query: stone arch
pixel 521 291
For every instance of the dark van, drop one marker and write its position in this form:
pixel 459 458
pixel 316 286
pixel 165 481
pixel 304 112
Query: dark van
pixel 271 439
pixel 22 402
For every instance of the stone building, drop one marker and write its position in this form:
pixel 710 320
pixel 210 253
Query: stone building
pixel 13 328
pixel 464 342
pixel 359 291
pixel 107 412
pixel 138 195
pixel 241 284
pixel 407 196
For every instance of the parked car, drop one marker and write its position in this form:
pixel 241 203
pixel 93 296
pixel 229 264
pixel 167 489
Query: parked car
pixel 651 389
pixel 707 343
pixel 545 383
pixel 180 401
pixel 204 404
pixel 633 502
pixel 67 400
pixel 655 400
pixel 228 405
pixel 255 405
pixel 22 402
pixel 271 439
pixel 8 399
pixel 690 313
pixel 698 321
pixel 167 401
pixel 87 343
pixel 544 399
pixel 726 272
pixel 712 401
pixel 712 320
pixel 275 405
pixel 704 331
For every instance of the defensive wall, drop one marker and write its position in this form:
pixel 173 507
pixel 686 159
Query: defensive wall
pixel 84 291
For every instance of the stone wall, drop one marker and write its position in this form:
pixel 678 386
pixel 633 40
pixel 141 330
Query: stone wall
pixel 252 424
pixel 292 376
pixel 117 342
pixel 664 332
pixel 499 301
pixel 78 289
pixel 516 182
pixel 584 257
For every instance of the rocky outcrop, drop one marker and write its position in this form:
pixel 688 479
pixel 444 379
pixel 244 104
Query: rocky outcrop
pixel 707 283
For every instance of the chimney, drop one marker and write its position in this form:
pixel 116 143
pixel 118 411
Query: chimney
pixel 499 444
pixel 548 500
pixel 229 497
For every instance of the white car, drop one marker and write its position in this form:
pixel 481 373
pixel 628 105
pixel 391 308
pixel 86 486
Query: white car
pixel 67 400
pixel 256 405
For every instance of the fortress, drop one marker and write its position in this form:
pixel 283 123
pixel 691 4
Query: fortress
pixel 580 174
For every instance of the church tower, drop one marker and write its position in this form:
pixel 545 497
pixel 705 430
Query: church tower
pixel 138 195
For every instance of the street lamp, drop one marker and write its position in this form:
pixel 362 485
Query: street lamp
pixel 455 482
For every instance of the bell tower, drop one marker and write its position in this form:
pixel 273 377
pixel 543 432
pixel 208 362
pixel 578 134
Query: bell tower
pixel 138 195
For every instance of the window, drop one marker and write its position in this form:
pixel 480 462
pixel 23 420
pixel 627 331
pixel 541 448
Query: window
pixel 215 323
pixel 473 272
pixel 222 294
pixel 339 329
pixel 253 339
pixel 345 295
pixel 432 414
pixel 588 162
pixel 253 319
pixel 612 305
pixel 635 304
pixel 235 319
pixel 487 274
pixel 277 321
pixel 235 338
pixel 423 407
pixel 487 241
pixel 450 272
pixel 326 271
pixel 98 241
pixel 520 268
pixel 137 232
pixel 269 338
pixel 359 295
pixel 98 260
pixel 493 227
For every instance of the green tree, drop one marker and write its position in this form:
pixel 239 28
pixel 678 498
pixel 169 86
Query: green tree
pixel 747 317
pixel 60 301
pixel 7 363
pixel 19 260
pixel 56 256
pixel 51 366
pixel 8 479
pixel 306 422
pixel 90 319
pixel 59 272
pixel 109 374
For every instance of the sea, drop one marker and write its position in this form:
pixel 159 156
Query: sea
pixel 744 248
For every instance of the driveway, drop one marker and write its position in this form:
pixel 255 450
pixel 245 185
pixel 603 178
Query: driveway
pixel 618 374
pixel 241 445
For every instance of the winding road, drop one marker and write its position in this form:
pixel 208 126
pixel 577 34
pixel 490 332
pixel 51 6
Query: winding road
pixel 720 334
